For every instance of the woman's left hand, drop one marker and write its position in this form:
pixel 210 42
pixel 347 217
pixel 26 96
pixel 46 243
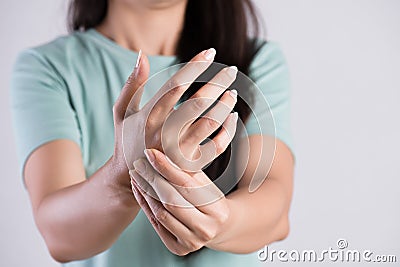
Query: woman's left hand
pixel 186 209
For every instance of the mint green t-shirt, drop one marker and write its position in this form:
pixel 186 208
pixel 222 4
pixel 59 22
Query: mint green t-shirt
pixel 66 89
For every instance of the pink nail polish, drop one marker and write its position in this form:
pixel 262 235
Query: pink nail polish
pixel 232 71
pixel 235 116
pixel 138 59
pixel 210 54
pixel 233 93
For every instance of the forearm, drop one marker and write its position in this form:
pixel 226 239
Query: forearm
pixel 256 219
pixel 85 219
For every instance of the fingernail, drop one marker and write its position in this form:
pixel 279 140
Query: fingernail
pixel 235 116
pixel 232 70
pixel 139 166
pixel 233 93
pixel 210 54
pixel 138 59
pixel 149 154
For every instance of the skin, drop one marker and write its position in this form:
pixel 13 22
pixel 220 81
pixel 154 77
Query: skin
pixel 71 210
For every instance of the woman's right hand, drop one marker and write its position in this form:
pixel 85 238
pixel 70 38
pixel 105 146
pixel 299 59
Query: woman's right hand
pixel 175 132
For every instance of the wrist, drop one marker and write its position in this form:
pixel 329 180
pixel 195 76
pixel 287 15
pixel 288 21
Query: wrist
pixel 118 169
pixel 118 183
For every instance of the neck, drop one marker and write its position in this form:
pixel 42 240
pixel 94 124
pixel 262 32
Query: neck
pixel 154 29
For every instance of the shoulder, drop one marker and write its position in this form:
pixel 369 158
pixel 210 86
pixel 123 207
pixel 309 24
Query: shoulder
pixel 268 58
pixel 61 47
pixel 269 68
pixel 56 55
pixel 55 62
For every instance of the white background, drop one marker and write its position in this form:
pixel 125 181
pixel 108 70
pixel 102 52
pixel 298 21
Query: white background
pixel 345 65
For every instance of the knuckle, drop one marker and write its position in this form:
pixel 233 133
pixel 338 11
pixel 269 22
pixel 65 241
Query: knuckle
pixel 172 83
pixel 185 188
pixel 174 90
pixel 150 122
pixel 207 234
pixel 220 146
pixel 154 222
pixel 155 111
pixel 198 103
pixel 141 201
pixel 170 200
pixel 130 79
pixel 222 217
pixel 151 177
pixel 173 87
pixel 211 123
pixel 181 251
pixel 193 244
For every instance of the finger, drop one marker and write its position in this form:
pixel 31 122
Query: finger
pixel 224 137
pixel 207 152
pixel 186 214
pixel 133 88
pixel 156 186
pixel 142 63
pixel 143 185
pixel 168 238
pixel 218 84
pixel 209 93
pixel 182 235
pixel 179 120
pixel 169 94
pixel 197 104
pixel 199 190
pixel 212 120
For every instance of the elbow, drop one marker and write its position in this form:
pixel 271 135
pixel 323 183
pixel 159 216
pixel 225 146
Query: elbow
pixel 57 255
pixel 283 228
pixel 56 250
pixel 65 250
pixel 53 242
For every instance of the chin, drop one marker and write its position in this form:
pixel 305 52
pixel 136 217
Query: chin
pixel 153 3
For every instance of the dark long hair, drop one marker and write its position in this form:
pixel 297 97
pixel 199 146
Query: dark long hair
pixel 222 24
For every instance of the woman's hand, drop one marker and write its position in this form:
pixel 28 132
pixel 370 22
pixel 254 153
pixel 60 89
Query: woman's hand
pixel 158 125
pixel 186 209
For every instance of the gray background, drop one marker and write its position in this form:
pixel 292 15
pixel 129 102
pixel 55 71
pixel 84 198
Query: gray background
pixel 345 65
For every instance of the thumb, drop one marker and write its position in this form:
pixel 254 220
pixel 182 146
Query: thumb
pixel 133 88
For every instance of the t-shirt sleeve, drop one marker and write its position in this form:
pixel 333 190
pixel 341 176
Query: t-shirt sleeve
pixel 271 108
pixel 40 105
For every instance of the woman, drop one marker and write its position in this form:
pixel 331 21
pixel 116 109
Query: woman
pixel 69 110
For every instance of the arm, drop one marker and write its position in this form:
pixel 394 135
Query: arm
pixel 81 217
pixel 78 218
pixel 261 217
